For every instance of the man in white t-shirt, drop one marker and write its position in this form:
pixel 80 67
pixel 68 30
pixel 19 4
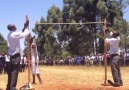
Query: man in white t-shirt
pixel 115 59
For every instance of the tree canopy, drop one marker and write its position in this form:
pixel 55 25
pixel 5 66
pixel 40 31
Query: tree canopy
pixel 57 40
pixel 3 44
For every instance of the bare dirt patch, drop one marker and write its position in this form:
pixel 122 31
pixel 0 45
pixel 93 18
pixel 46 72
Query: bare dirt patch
pixel 70 78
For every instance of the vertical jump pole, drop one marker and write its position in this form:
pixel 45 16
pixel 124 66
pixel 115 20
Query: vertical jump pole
pixel 28 54
pixel 105 60
pixel 29 87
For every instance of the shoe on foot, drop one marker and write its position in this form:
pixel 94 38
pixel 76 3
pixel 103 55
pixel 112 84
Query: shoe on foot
pixel 121 83
pixel 115 85
pixel 110 82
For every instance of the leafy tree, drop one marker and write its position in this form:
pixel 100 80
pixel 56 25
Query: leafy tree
pixel 40 31
pixel 69 40
pixel 124 29
pixel 52 45
pixel 47 39
pixel 80 38
pixel 3 45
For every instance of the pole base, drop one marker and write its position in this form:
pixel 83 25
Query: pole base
pixel 30 88
pixel 27 87
pixel 105 84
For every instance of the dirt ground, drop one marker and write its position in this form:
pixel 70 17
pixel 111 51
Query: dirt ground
pixel 70 78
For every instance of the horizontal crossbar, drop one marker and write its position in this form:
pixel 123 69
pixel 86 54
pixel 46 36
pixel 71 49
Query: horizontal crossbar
pixel 73 23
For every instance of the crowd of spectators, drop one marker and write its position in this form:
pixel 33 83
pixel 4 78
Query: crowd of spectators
pixel 86 60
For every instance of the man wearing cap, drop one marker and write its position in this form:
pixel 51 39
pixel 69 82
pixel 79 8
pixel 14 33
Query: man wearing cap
pixel 13 39
pixel 115 59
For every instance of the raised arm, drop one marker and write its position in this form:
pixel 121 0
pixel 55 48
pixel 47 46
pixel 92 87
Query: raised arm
pixel 25 25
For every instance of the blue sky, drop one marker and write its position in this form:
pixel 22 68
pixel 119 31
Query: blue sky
pixel 14 11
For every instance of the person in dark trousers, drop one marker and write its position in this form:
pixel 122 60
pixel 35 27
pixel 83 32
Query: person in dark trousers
pixel 7 62
pixel 3 63
pixel 0 63
pixel 115 58
pixel 13 39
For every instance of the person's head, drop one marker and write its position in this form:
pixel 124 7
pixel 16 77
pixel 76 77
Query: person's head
pixel 32 39
pixel 11 27
pixel 115 34
pixel 33 46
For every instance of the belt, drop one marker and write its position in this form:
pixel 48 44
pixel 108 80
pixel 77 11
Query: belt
pixel 114 54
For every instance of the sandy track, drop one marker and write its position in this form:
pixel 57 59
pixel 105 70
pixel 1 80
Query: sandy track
pixel 71 78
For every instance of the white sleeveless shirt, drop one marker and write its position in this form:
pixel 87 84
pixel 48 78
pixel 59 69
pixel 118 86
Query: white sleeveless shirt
pixel 34 59
pixel 34 53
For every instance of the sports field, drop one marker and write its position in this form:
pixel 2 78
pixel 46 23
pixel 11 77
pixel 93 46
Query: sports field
pixel 71 78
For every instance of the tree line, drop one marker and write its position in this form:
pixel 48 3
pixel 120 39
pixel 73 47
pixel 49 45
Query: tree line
pixel 63 41
pixel 3 45
pixel 68 40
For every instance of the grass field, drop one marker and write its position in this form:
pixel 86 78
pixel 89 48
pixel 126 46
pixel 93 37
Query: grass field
pixel 71 78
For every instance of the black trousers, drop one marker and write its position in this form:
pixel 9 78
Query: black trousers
pixel 13 70
pixel 115 69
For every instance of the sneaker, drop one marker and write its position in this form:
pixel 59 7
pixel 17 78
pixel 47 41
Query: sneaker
pixel 121 83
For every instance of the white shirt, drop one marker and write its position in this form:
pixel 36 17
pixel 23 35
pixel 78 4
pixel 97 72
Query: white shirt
pixel 87 58
pixel 7 58
pixel 114 45
pixel 25 60
pixel 34 59
pixel 14 41
pixel 34 53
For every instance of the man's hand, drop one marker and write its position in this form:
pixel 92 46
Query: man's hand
pixel 26 24
pixel 107 30
pixel 35 63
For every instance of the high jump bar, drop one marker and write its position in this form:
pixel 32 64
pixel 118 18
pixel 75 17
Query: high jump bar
pixel 73 23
